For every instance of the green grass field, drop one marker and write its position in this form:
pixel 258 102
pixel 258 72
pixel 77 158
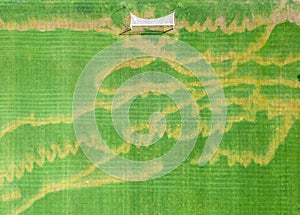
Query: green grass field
pixel 256 169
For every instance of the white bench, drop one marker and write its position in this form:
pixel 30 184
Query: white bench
pixel 168 20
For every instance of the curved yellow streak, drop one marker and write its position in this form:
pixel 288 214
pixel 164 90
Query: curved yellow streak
pixel 73 183
pixel 246 157
pixel 33 122
pixel 17 170
pixel 80 180
pixel 278 16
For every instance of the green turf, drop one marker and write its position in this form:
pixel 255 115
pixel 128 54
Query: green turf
pixel 39 71
pixel 22 11
pixel 279 45
pixel 220 43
